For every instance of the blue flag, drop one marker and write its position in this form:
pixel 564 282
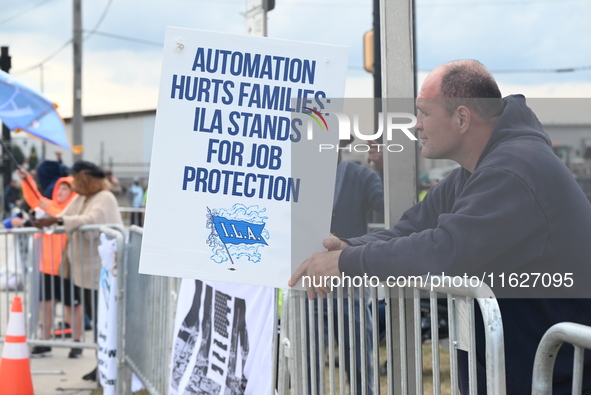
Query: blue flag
pixel 24 108
pixel 237 232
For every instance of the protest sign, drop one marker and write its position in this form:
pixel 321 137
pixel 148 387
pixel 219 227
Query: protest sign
pixel 107 319
pixel 222 339
pixel 239 190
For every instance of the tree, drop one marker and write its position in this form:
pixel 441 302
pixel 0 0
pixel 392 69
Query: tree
pixel 33 158
pixel 18 154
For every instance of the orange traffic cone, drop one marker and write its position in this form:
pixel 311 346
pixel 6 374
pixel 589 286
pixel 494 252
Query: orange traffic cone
pixel 15 368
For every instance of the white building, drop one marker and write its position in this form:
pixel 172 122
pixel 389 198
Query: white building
pixel 119 142
pixel 122 142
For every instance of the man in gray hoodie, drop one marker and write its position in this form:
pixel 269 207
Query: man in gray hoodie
pixel 512 207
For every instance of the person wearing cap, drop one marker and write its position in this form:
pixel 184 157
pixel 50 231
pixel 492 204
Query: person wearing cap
pixel 95 204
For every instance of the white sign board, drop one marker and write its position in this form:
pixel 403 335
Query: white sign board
pixel 239 190
pixel 223 339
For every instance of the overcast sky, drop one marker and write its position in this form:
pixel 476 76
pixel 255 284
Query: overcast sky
pixel 522 41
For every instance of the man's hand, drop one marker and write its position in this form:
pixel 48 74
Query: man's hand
pixel 48 220
pixel 320 267
pixel 333 243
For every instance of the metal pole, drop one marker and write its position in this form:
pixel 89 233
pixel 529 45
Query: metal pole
pixel 256 18
pixel 377 56
pixel 5 64
pixel 77 48
pixel 397 64
pixel 398 93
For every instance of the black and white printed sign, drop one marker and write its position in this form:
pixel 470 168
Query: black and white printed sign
pixel 223 339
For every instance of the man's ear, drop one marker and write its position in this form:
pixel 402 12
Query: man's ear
pixel 463 117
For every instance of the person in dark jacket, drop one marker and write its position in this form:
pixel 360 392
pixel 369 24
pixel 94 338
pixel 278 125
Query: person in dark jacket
pixel 48 172
pixel 358 192
pixel 512 207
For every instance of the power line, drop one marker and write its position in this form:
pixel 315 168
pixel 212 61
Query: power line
pixel 100 20
pixel 125 38
pixel 47 59
pixel 67 43
pixel 355 67
pixel 24 12
pixel 420 4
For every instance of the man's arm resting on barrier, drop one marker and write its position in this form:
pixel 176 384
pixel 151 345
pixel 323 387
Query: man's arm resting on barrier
pixel 320 266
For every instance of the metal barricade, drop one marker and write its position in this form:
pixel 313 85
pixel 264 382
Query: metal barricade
pixel 34 258
pixel 16 266
pixel 146 306
pixel 408 313
pixel 127 214
pixel 565 332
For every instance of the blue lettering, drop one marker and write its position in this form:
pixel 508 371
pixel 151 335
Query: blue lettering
pixel 249 192
pixel 275 158
pixel 227 174
pixel 309 71
pixel 201 179
pixel 188 176
pixel 266 68
pixel 255 96
pixel 234 131
pixel 204 85
pixel 198 61
pixel 295 69
pixel 295 190
pixel 211 150
pixel 256 128
pixel 177 87
pixel 279 189
pixel 237 183
pixel 214 181
pixel 243 94
pixel 212 66
pixel 228 99
pixel 188 94
pixel 296 134
pixel 270 99
pixel 251 65
pixel 236 63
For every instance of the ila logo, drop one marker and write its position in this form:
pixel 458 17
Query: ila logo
pixel 236 233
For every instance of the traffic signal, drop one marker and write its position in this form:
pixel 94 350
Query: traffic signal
pixel 5 62
pixel 268 5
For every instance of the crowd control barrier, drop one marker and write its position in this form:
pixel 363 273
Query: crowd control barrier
pixel 32 266
pixel 565 332
pixel 302 336
pixel 401 336
pixel 147 306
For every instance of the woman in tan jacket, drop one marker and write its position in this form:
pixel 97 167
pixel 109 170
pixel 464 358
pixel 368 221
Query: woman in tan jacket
pixel 95 204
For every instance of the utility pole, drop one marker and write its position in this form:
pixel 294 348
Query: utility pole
pixel 5 64
pixel 398 90
pixel 77 48
pixel 377 55
pixel 256 16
